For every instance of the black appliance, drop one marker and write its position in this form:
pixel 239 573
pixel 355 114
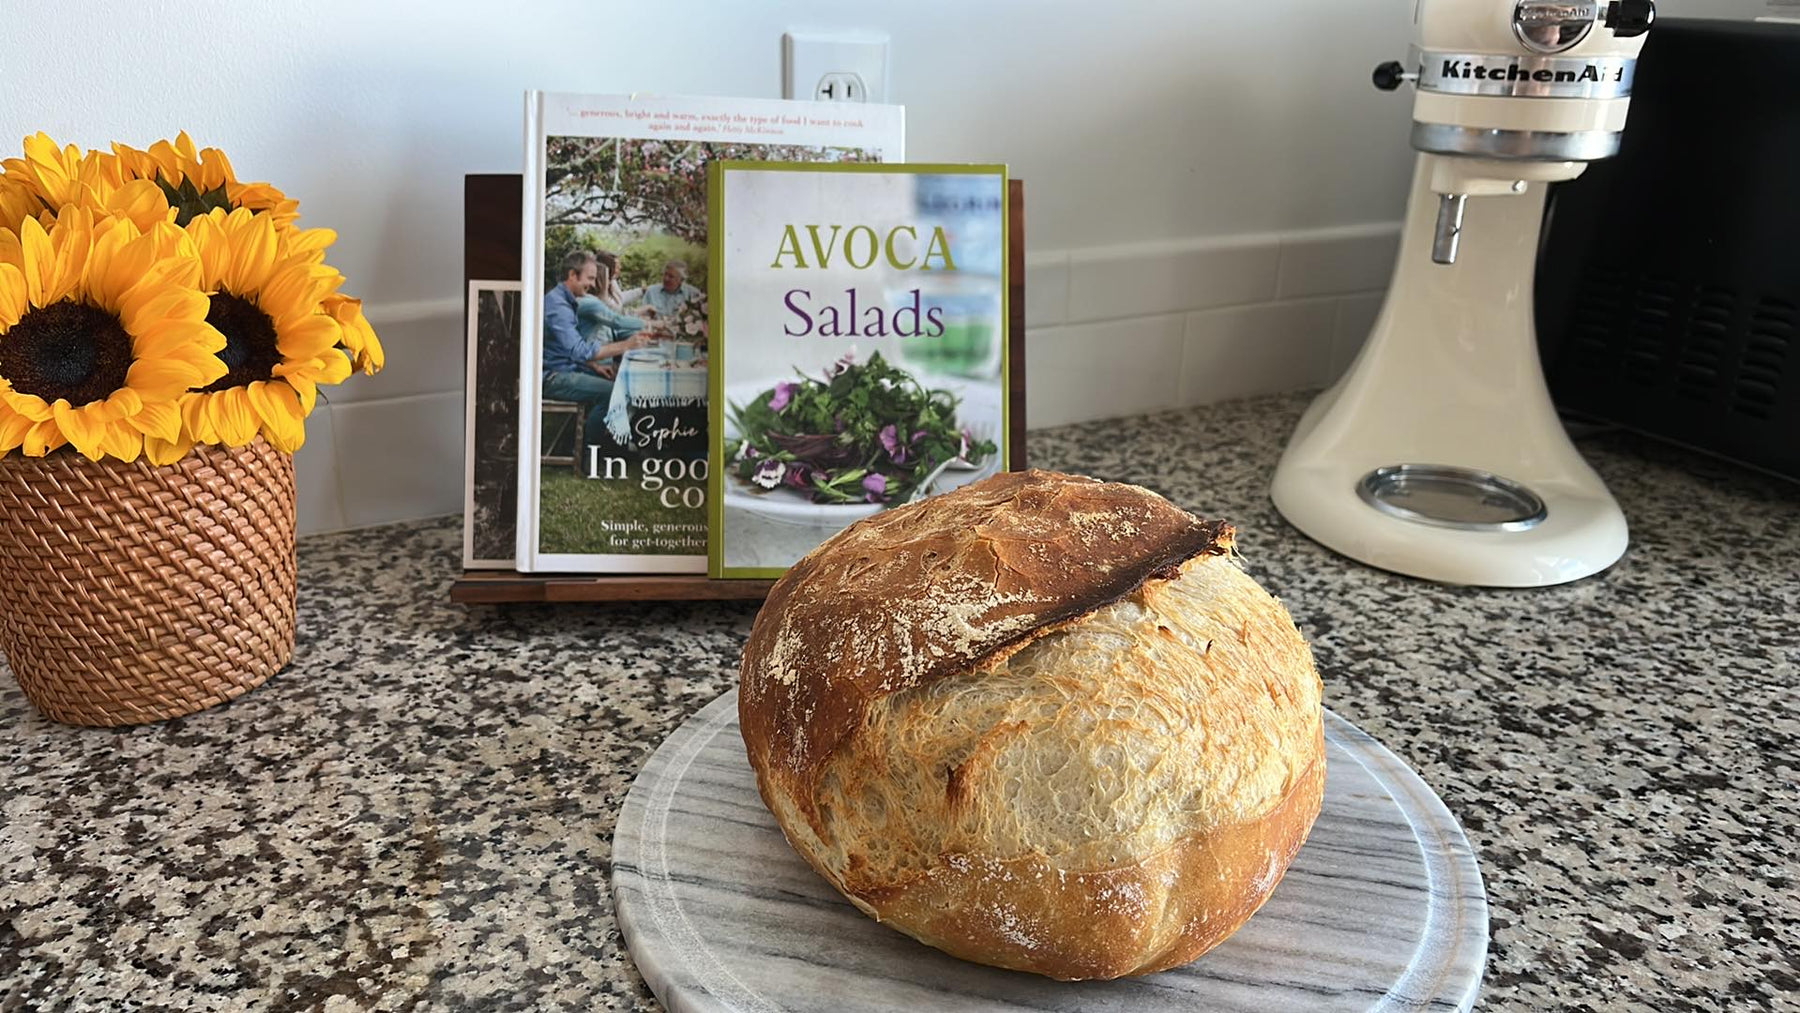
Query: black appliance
pixel 1668 283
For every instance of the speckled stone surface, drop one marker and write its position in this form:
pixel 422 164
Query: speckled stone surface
pixel 417 814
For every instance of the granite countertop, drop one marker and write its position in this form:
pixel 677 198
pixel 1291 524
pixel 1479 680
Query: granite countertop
pixel 417 813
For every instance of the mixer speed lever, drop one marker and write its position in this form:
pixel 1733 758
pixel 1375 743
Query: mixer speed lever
pixel 1392 74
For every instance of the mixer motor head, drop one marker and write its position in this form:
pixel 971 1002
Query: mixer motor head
pixel 1515 92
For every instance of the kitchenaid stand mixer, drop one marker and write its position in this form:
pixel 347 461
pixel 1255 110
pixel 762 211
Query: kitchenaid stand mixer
pixel 1439 453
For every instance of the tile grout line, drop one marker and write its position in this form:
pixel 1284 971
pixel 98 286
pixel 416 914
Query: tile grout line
pixel 409 311
pixel 1333 297
pixel 1068 288
pixel 1181 365
pixel 337 477
pixel 458 391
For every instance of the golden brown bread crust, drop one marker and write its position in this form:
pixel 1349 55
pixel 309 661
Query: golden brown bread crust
pixel 1041 722
pixel 1029 915
pixel 910 595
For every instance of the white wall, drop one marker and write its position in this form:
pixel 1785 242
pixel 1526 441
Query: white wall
pixel 1146 130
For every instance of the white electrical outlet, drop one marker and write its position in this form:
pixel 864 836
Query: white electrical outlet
pixel 841 86
pixel 834 66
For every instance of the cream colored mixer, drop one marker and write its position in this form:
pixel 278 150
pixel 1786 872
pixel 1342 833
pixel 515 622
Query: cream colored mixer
pixel 1439 453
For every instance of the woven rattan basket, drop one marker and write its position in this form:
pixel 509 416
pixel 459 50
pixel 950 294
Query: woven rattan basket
pixel 131 593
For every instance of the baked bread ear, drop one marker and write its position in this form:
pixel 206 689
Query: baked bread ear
pixel 1040 722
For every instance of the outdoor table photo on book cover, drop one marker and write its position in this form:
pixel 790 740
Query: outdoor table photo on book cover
pixel 859 348
pixel 614 379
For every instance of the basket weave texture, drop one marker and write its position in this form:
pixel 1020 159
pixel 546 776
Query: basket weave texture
pixel 131 593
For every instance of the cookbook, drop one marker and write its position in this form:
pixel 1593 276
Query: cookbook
pixel 614 362
pixel 491 414
pixel 859 358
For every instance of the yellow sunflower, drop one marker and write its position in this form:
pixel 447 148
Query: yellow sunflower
pixel 53 174
pixel 359 340
pixel 50 177
pixel 102 328
pixel 280 344
pixel 17 203
pixel 198 180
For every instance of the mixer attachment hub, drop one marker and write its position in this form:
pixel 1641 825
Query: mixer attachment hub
pixel 1552 26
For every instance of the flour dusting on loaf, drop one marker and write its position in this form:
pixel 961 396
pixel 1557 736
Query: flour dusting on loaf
pixel 1041 722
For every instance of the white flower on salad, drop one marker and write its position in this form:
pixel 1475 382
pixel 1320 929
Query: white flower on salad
pixel 769 474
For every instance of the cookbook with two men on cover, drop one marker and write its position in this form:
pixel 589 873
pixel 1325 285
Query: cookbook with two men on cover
pixel 614 357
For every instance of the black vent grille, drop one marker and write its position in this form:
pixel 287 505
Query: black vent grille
pixel 1656 334
pixel 1702 360
pixel 1714 350
pixel 1591 334
pixel 1653 309
pixel 1768 350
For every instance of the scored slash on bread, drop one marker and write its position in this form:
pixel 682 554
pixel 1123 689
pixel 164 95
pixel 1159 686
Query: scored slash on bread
pixel 1041 722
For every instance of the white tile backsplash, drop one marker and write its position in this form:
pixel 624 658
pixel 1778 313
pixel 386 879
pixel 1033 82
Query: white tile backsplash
pixel 1113 331
pixel 1337 261
pixel 316 475
pixel 1247 350
pixel 401 458
pixel 1095 371
pixel 1158 278
pixel 1046 289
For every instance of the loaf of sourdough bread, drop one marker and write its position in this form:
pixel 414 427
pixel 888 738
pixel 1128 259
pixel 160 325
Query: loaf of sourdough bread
pixel 1041 722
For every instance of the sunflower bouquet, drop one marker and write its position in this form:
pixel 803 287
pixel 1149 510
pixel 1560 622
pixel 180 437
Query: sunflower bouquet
pixel 150 302
pixel 164 331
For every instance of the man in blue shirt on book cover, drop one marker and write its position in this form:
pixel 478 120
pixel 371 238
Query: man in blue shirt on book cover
pixel 667 299
pixel 575 368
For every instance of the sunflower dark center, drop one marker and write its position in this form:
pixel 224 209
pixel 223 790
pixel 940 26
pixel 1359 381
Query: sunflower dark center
pixel 68 350
pixel 250 353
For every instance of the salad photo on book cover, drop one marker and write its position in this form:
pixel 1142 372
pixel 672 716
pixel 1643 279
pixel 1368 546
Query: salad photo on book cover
pixel 858 348
pixel 615 377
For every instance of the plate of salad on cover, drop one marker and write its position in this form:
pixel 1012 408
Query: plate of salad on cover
pixel 860 438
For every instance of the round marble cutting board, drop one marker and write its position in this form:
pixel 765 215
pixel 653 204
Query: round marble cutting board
pixel 1382 910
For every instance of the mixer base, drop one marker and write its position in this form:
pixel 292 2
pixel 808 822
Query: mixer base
pixel 1439 454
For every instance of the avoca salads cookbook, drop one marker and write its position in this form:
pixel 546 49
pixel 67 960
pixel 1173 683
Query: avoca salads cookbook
pixel 858 348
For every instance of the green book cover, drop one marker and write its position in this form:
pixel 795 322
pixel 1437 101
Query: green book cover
pixel 859 354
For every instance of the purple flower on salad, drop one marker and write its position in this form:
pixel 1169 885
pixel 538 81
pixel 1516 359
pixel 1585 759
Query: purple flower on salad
pixel 769 473
pixel 784 395
pixel 839 366
pixel 799 476
pixel 890 442
pixel 876 485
